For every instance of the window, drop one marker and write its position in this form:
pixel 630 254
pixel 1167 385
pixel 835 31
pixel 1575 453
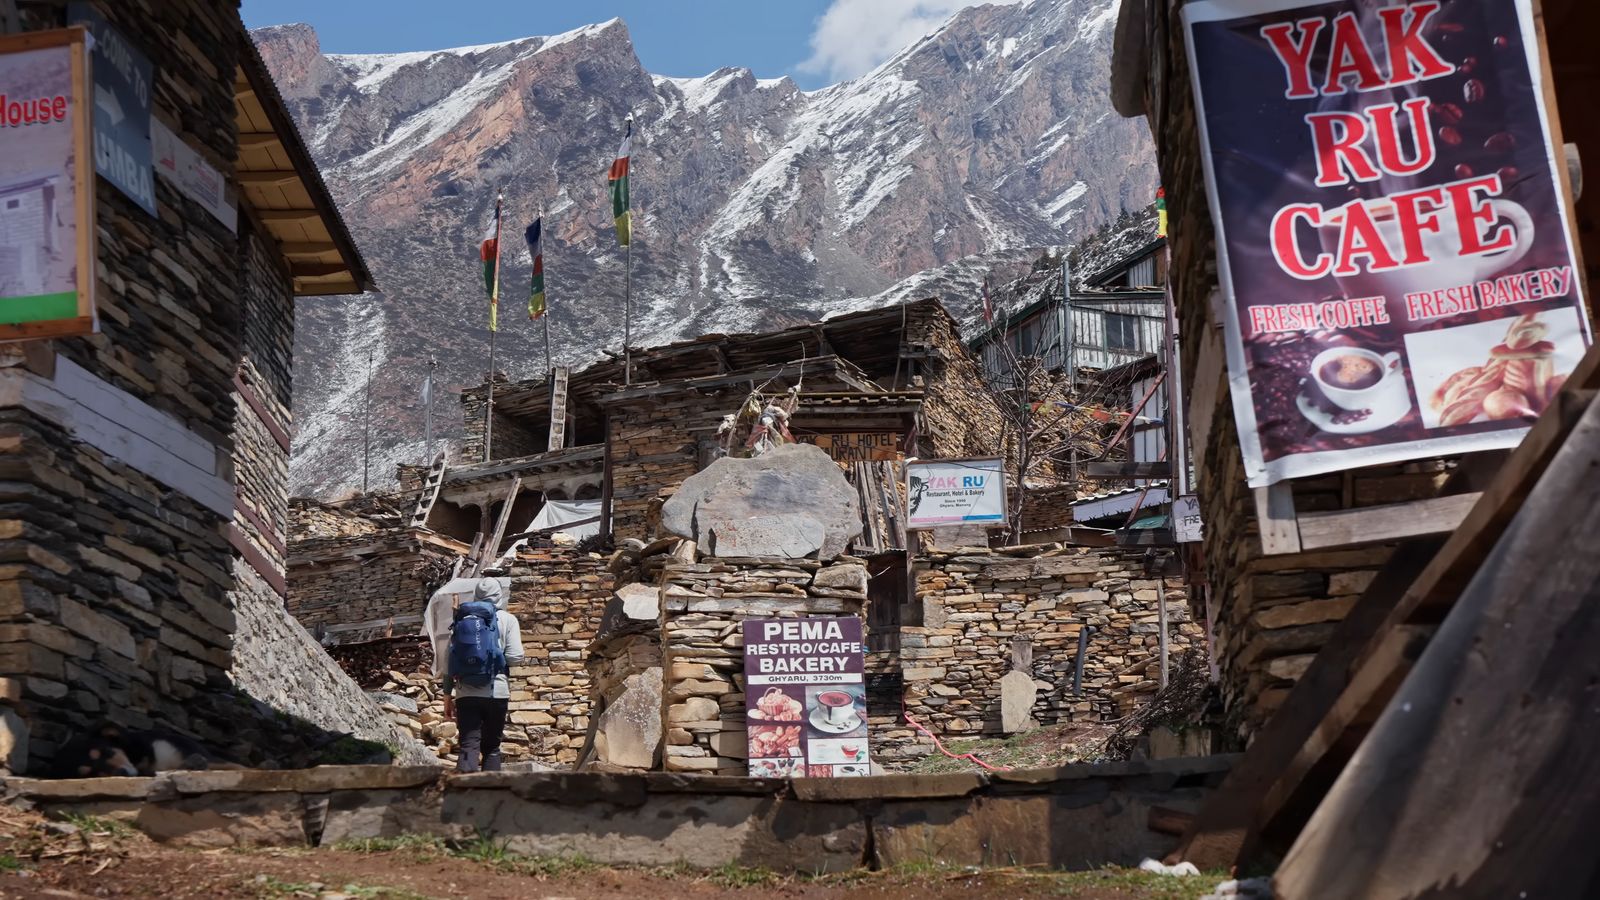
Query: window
pixel 13 203
pixel 1122 332
pixel 1141 273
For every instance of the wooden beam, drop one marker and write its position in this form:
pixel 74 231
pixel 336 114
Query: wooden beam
pixel 326 288
pixel 259 140
pixel 1145 537
pixel 307 248
pixel 1280 533
pixel 1225 830
pixel 1129 469
pixel 317 270
pixel 1417 586
pixel 268 177
pixel 1381 524
pixel 1370 688
pixel 289 216
pixel 1480 779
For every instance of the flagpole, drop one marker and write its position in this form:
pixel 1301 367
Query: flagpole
pixel 549 361
pixel 627 313
pixel 427 416
pixel 627 276
pixel 494 328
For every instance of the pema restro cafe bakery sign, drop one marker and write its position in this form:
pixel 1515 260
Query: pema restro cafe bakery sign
pixel 805 697
pixel 1397 269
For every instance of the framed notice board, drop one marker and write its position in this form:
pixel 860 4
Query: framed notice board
pixel 47 225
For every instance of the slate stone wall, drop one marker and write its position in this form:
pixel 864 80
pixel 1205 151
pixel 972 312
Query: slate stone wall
pixel 976 609
pixel 114 585
pixel 142 497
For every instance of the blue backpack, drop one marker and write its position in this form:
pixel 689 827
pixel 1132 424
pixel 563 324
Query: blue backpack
pixel 475 653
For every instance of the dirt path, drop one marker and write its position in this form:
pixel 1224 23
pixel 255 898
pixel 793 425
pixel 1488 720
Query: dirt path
pixel 94 858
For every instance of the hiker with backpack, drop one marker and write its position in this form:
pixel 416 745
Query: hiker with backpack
pixel 485 641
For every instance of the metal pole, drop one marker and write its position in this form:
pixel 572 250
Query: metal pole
pixel 1077 666
pixel 627 314
pixel 494 327
pixel 427 413
pixel 1176 418
pixel 488 410
pixel 549 361
pixel 1161 598
pixel 366 429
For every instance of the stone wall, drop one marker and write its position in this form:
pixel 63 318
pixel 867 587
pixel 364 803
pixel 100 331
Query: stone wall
pixel 263 389
pixel 703 606
pixel 309 518
pixel 144 467
pixel 1074 817
pixel 512 438
pixel 558 596
pixel 346 580
pixel 959 416
pixel 977 608
pixel 655 446
pixel 113 583
pixel 278 664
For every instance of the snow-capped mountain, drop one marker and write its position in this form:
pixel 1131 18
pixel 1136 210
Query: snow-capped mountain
pixel 755 204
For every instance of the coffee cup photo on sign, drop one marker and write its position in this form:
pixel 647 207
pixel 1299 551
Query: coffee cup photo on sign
pixel 1365 390
pixel 836 709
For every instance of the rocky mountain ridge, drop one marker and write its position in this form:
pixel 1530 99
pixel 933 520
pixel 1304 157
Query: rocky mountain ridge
pixel 756 204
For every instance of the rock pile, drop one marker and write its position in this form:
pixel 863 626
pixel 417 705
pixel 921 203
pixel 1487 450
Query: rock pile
pixel 703 607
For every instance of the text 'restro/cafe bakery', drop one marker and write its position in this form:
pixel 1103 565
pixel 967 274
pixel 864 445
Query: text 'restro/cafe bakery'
pixel 1397 265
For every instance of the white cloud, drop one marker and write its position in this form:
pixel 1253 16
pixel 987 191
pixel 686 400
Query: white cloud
pixel 853 36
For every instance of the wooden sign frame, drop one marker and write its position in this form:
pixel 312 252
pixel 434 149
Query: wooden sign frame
pixel 84 320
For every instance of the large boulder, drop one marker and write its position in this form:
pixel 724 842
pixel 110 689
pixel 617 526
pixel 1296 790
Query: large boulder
pixel 1017 693
pixel 792 501
pixel 13 742
pixel 629 731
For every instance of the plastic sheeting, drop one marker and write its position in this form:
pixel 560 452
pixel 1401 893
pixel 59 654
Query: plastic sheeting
pixel 560 512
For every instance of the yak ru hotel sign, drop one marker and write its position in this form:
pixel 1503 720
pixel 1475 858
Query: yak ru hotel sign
pixel 1398 271
pixel 46 186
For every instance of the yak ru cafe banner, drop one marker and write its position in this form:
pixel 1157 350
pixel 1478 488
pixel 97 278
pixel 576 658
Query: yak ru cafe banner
pixel 805 698
pixel 1398 272
pixel 952 492
pixel 46 186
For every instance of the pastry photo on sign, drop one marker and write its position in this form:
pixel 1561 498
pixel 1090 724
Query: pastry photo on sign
pixel 1495 371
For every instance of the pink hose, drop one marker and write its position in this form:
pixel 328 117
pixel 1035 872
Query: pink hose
pixel 971 757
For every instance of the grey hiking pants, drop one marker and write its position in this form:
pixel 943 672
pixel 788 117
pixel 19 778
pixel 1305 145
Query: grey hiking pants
pixel 482 721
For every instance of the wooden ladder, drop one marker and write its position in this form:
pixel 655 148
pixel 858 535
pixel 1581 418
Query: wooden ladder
pixel 429 494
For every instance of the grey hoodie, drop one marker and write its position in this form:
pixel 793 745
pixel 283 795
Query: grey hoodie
pixel 510 643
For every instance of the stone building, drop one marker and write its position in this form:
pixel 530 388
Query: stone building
pixel 870 387
pixel 1271 583
pixel 145 488
pixel 867 389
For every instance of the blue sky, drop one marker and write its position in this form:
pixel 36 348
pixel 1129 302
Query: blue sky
pixel 817 42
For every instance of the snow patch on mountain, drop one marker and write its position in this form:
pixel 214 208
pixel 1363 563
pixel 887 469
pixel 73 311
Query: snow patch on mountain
pixel 756 205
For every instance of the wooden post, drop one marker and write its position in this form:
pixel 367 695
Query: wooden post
pixel 606 530
pixel 1280 533
pixel 1161 601
pixel 1482 776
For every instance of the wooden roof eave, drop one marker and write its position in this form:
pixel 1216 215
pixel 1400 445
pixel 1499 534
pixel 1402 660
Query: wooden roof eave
pixel 283 189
